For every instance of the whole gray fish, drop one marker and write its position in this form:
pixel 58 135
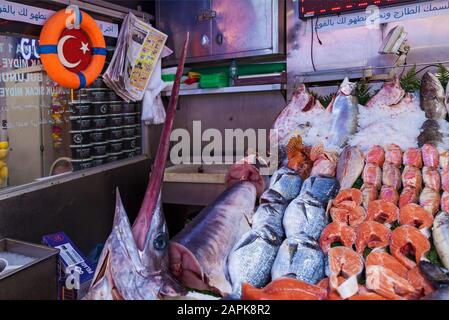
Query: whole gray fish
pixel 345 111
pixel 134 262
pixel 432 97
pixel 199 253
pixel 436 275
pixel 306 214
pixel 430 133
pixel 350 166
pixel 252 257
pixel 304 221
pixel 301 257
pixel 440 232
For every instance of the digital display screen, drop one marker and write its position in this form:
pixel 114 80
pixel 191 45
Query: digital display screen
pixel 311 8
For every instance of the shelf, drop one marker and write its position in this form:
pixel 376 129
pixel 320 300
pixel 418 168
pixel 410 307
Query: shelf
pixel 237 89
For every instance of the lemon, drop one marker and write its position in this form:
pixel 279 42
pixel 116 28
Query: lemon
pixel 4 145
pixel 2 164
pixel 3 153
pixel 4 172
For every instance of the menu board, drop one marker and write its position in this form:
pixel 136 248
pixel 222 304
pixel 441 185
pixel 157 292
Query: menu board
pixel 311 8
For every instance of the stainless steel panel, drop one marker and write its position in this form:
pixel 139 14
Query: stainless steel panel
pixel 348 52
pixel 176 17
pixel 242 25
pixel 249 27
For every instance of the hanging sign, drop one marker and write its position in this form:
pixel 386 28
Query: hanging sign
pixel 375 16
pixel 38 16
pixel 72 49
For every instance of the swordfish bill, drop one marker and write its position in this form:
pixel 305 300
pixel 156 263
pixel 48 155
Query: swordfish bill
pixel 134 262
pixel 143 220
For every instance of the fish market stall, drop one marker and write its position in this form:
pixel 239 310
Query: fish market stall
pixel 236 150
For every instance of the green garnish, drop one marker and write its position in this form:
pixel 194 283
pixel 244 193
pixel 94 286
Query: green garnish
pixel 366 252
pixel 442 75
pixel 362 92
pixel 336 244
pixel 326 100
pixel 395 225
pixel 410 82
pixel 358 183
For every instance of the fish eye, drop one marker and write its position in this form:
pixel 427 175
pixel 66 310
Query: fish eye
pixel 160 242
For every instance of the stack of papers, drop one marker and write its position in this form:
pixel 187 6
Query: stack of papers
pixel 139 47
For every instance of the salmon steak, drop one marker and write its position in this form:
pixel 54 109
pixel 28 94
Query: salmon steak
pixel 412 177
pixel 389 194
pixel 391 176
pixel 382 211
pixel 365 294
pixel 408 245
pixel 422 286
pixel 345 262
pixel 431 178
pixel 331 294
pixel 375 155
pixel 352 194
pixel 387 283
pixel 430 200
pixel 393 154
pixel 337 232
pixel 372 174
pixel 408 195
pixel 349 216
pixel 373 235
pixel 387 261
pixel 412 157
pixel 416 216
pixel 431 156
pixel 369 193
pixel 284 288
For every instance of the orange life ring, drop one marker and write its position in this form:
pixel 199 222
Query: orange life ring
pixel 48 50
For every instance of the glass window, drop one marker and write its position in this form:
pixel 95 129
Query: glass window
pixel 47 130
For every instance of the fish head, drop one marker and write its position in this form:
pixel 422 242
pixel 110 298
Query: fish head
pixel 126 273
pixel 436 275
pixel 347 87
pixel 431 87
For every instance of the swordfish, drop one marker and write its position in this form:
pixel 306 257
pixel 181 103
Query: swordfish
pixel 134 262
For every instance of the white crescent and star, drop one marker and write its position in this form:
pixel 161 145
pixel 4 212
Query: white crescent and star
pixel 84 48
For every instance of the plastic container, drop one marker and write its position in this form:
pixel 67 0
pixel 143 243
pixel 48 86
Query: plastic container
pixel 82 164
pixel 99 161
pixel 115 120
pixel 80 108
pixel 138 151
pixel 100 108
pixel 80 137
pixel 129 119
pixel 112 96
pixel 99 95
pixel 80 123
pixel 115 133
pixel 115 107
pixel 99 149
pixel 112 157
pixel 115 146
pixel 129 107
pixel 99 122
pixel 129 143
pixel 129 131
pixel 99 135
pixel 98 83
pixel 215 80
pixel 81 151
pixel 129 153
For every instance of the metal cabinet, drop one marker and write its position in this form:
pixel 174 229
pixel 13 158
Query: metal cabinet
pixel 223 29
